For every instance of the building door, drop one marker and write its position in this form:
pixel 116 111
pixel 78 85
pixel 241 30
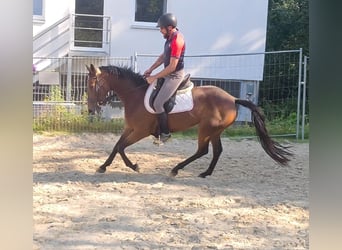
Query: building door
pixel 88 23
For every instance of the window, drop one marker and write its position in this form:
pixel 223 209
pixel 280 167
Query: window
pixel 38 10
pixel 89 28
pixel 149 10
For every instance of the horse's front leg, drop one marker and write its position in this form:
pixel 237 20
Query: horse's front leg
pixel 128 138
pixel 109 161
pixel 127 161
pixel 132 138
pixel 111 157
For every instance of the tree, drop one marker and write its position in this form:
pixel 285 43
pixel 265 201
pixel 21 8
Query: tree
pixel 287 29
pixel 288 25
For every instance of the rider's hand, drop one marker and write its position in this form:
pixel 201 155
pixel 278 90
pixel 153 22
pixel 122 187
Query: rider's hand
pixel 151 79
pixel 147 73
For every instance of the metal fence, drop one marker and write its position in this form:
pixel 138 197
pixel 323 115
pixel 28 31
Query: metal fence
pixel 276 81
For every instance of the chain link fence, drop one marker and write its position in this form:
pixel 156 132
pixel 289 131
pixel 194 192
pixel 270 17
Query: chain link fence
pixel 273 80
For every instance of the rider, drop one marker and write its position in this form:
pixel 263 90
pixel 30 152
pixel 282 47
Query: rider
pixel 173 72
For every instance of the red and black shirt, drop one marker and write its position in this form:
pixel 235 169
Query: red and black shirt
pixel 175 47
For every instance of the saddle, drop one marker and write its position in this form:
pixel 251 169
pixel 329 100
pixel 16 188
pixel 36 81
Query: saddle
pixel 185 85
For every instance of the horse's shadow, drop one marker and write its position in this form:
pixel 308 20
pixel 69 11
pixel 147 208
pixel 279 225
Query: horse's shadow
pixel 95 178
pixel 212 186
pixel 75 176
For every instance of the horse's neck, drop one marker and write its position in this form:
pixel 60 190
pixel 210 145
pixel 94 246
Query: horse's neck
pixel 128 92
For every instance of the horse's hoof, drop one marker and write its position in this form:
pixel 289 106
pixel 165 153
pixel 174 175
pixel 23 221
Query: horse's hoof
pixel 203 175
pixel 101 170
pixel 136 168
pixel 173 173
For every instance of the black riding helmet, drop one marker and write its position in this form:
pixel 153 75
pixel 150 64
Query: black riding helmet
pixel 168 19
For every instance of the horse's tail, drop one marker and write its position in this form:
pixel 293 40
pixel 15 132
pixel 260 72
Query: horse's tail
pixel 277 152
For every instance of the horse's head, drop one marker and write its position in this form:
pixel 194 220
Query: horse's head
pixel 104 81
pixel 97 89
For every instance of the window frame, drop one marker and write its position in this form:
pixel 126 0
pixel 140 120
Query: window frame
pixel 39 18
pixel 88 45
pixel 146 24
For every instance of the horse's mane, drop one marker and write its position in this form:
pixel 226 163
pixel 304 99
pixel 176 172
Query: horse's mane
pixel 125 72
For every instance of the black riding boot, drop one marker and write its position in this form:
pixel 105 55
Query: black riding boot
pixel 164 127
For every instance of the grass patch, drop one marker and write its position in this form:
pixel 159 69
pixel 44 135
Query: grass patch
pixel 83 123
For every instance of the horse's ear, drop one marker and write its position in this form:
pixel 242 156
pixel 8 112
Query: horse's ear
pixel 88 68
pixel 92 68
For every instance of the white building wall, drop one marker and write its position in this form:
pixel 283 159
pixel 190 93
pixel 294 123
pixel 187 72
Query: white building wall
pixel 209 27
pixel 127 36
pixel 222 26
pixel 53 11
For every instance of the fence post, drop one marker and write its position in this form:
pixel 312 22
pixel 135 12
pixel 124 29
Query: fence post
pixel 304 94
pixel 135 62
pixel 68 84
pixel 299 90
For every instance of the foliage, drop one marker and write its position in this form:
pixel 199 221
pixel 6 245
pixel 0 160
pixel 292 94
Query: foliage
pixel 287 29
pixel 55 94
pixel 59 117
pixel 83 123
pixel 281 125
pixel 277 111
pixel 73 122
pixel 288 25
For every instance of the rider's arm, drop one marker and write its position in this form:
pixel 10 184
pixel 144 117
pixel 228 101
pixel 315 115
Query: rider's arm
pixel 155 65
pixel 168 69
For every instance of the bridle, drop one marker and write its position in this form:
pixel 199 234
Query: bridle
pixel 98 86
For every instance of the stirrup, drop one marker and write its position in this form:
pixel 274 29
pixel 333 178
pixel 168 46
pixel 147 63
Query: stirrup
pixel 162 138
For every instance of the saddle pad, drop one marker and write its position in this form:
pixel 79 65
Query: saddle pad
pixel 184 100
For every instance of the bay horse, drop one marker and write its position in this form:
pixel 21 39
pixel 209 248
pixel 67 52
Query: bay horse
pixel 214 110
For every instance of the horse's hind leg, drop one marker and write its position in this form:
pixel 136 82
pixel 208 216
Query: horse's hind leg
pixel 217 150
pixel 203 145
